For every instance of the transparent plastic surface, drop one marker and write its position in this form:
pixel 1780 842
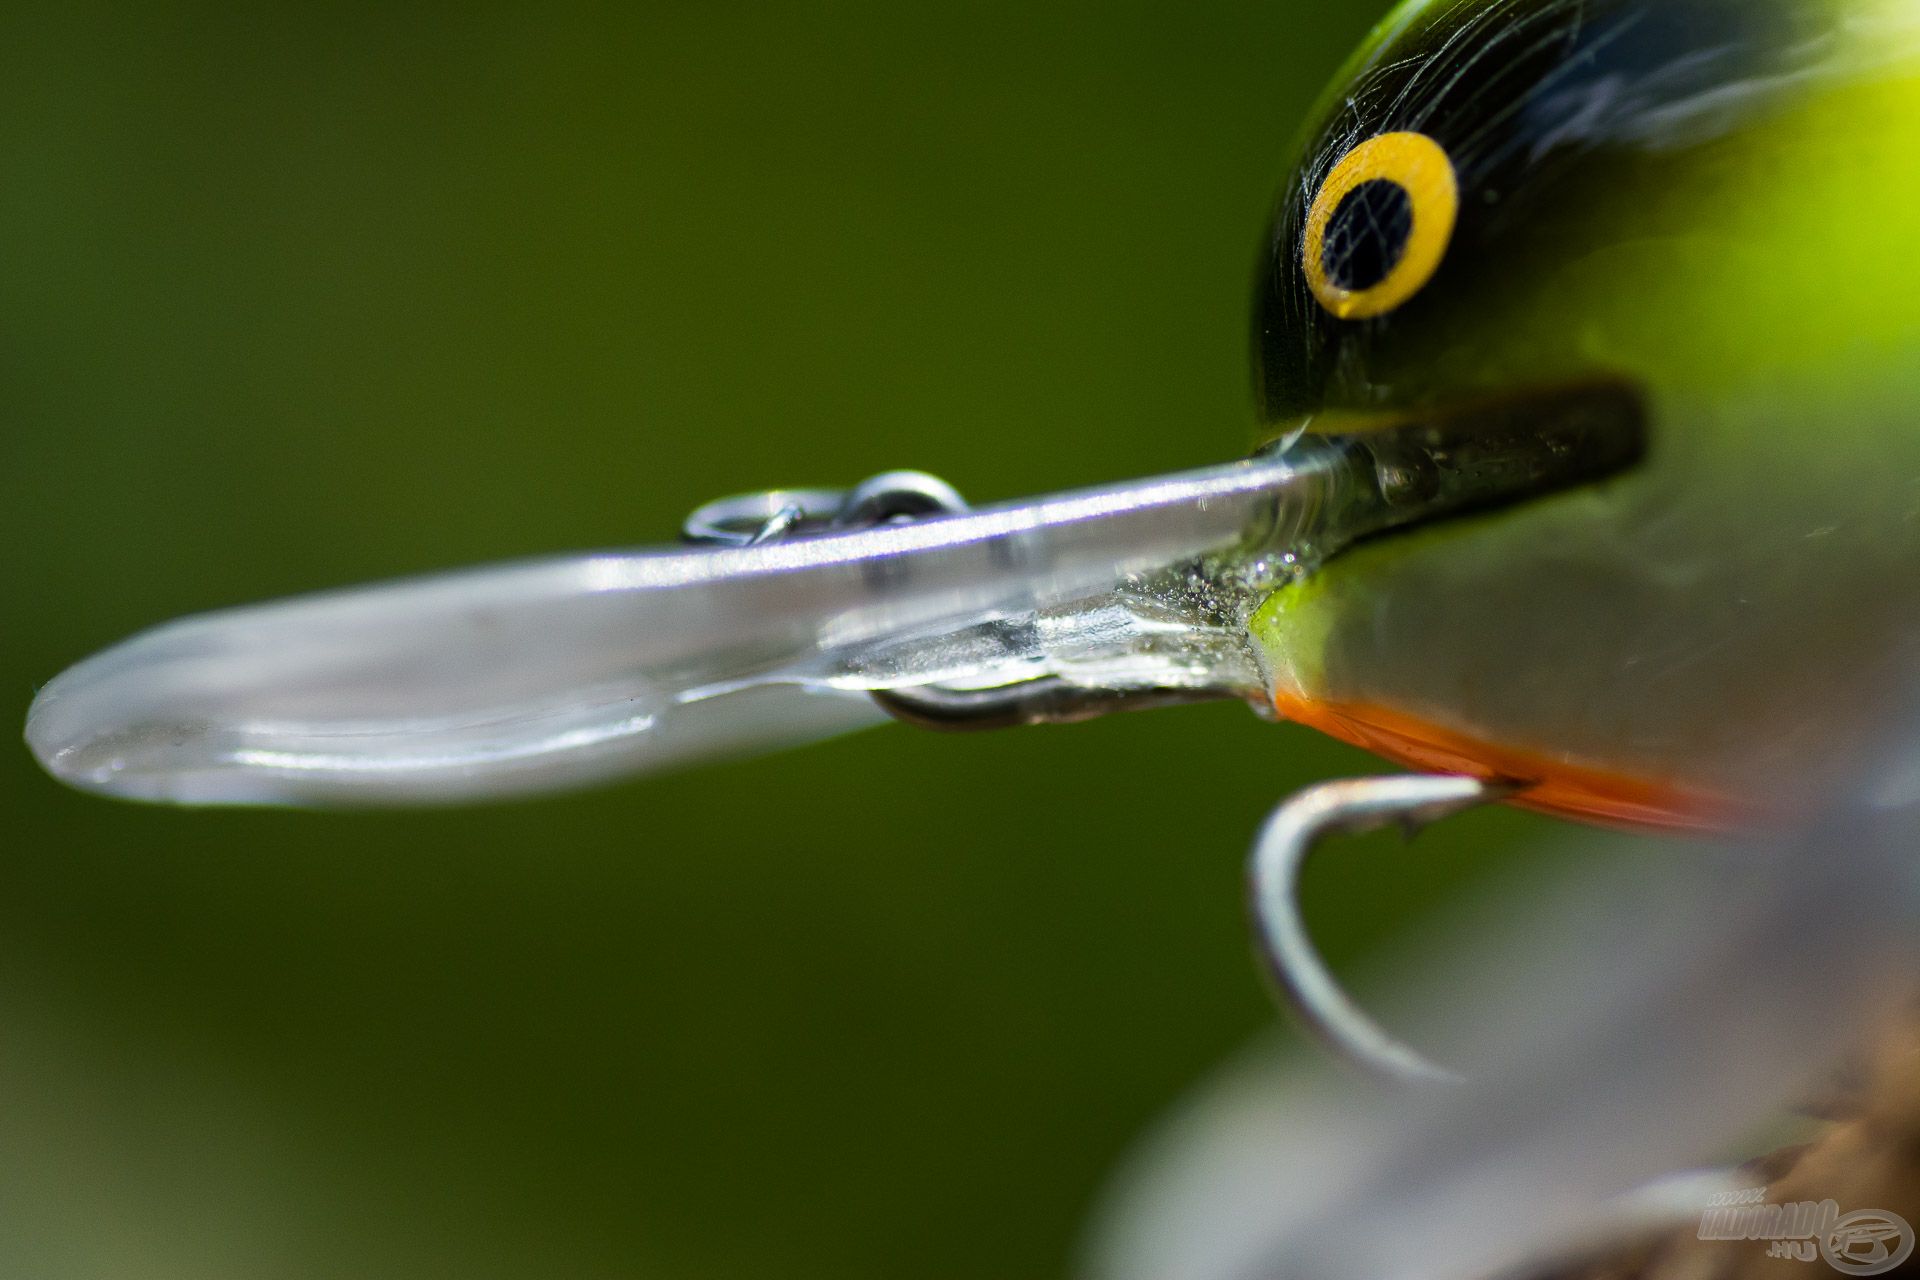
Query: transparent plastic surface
pixel 563 672
pixel 556 673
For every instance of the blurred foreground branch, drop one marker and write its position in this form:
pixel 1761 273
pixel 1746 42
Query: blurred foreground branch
pixel 1865 1156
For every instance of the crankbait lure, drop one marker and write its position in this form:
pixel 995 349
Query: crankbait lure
pixel 1711 200
pixel 1588 353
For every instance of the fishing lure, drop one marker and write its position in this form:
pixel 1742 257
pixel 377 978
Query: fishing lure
pixel 1588 356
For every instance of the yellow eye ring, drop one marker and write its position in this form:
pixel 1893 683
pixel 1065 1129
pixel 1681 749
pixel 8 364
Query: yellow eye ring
pixel 1380 225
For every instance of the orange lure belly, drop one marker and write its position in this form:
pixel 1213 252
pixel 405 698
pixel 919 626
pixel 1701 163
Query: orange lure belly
pixel 1552 786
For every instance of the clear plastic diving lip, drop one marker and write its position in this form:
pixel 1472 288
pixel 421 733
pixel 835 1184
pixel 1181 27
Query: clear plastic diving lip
pixel 550 674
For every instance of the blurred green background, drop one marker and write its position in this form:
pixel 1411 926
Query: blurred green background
pixel 295 298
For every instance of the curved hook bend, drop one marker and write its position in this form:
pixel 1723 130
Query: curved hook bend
pixel 1289 839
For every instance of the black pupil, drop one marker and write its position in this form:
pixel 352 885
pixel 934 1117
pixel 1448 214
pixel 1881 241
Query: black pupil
pixel 1367 235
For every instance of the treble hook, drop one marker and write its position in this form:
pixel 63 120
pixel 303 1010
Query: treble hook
pixel 1292 834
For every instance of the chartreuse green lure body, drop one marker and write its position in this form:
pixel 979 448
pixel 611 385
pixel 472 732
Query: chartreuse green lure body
pixel 1588 351
pixel 1714 204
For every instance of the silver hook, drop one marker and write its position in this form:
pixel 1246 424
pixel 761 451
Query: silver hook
pixel 1289 839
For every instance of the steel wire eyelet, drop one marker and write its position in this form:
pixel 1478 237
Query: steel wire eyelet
pixel 755 519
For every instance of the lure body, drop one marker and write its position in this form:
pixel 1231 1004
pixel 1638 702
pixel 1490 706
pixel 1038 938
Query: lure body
pixel 1641 267
pixel 1716 201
